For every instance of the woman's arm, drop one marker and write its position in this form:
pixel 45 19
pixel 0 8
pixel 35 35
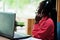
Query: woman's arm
pixel 43 31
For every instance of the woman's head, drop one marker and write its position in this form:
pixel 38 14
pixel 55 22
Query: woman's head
pixel 40 11
pixel 44 8
pixel 41 6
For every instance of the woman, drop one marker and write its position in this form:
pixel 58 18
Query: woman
pixel 44 26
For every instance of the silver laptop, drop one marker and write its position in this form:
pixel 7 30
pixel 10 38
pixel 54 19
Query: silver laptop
pixel 7 21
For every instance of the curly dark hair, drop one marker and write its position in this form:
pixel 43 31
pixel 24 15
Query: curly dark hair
pixel 47 8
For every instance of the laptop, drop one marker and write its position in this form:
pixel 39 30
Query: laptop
pixel 7 21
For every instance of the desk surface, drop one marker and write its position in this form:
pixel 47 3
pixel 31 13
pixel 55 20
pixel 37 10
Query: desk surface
pixel 3 38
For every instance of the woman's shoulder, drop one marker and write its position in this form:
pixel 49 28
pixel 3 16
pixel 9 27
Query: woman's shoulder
pixel 49 20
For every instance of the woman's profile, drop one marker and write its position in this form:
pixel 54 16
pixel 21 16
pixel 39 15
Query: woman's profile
pixel 45 23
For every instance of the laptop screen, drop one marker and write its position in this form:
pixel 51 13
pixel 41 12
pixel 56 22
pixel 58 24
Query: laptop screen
pixel 7 24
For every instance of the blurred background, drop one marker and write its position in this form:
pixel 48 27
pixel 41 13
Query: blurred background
pixel 25 12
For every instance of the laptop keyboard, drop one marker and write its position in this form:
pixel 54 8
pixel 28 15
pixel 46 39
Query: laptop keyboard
pixel 20 35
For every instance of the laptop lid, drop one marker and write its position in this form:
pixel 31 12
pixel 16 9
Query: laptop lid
pixel 7 24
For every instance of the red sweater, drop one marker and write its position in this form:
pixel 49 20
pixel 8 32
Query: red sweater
pixel 44 29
